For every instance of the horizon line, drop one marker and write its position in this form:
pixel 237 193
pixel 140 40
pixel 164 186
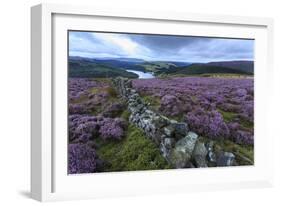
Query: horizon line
pixel 101 58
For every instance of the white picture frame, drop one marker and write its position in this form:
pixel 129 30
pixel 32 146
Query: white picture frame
pixel 49 180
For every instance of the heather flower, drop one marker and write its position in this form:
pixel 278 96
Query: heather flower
pixel 83 128
pixel 78 109
pixel 111 129
pixel 244 137
pixel 170 105
pixel 114 109
pixel 81 159
pixel 207 123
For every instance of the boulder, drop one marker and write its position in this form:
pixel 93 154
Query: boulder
pixel 159 121
pixel 166 145
pixel 176 129
pixel 199 154
pixel 169 131
pixel 169 143
pixel 225 159
pixel 157 137
pixel 211 156
pixel 189 165
pixel 182 152
pixel 132 91
pixel 180 129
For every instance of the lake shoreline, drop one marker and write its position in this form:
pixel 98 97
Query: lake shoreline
pixel 142 75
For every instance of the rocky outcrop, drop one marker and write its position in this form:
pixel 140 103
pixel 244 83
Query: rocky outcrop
pixel 179 146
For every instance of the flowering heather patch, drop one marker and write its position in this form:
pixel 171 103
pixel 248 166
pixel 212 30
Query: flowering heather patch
pixel 88 96
pixel 78 87
pixel 83 128
pixel 81 159
pixel 78 108
pixel 211 106
pixel 209 123
pixel 112 128
pixel 170 105
pixel 92 111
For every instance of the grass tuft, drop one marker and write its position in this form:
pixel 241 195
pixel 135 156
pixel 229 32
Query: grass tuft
pixel 134 152
pixel 112 92
pixel 228 116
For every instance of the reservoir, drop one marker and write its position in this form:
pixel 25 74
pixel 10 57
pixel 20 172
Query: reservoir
pixel 143 75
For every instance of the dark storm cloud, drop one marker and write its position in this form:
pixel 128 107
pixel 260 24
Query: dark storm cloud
pixel 168 43
pixel 159 47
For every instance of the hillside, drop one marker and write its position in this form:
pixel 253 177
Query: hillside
pixel 113 67
pixel 87 69
pixel 195 69
pixel 245 66
pixel 132 64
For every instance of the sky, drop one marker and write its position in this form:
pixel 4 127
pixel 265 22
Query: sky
pixel 159 47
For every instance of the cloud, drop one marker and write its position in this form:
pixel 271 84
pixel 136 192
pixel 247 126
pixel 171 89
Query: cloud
pixel 159 47
pixel 125 44
pixel 167 42
pixel 219 49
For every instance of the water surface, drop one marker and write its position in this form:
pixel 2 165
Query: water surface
pixel 143 75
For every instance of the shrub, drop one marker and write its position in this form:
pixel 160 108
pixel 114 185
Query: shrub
pixel 112 129
pixel 207 123
pixel 82 128
pixel 81 159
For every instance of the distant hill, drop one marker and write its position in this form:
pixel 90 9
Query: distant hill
pixel 195 69
pixel 135 60
pixel 111 67
pixel 133 63
pixel 181 64
pixel 87 69
pixel 118 63
pixel 245 66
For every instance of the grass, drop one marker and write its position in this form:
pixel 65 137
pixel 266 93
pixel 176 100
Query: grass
pixel 246 124
pixel 125 114
pixel 134 152
pixel 102 80
pixel 228 116
pixel 113 97
pixel 205 75
pixel 79 100
pixel 95 90
pixel 154 102
pixel 193 98
pixel 244 154
pixel 112 92
pixel 226 75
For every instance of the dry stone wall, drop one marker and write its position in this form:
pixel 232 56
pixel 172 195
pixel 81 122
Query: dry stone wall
pixel 178 145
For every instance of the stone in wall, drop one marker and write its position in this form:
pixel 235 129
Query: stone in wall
pixel 182 152
pixel 200 154
pixel 225 159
